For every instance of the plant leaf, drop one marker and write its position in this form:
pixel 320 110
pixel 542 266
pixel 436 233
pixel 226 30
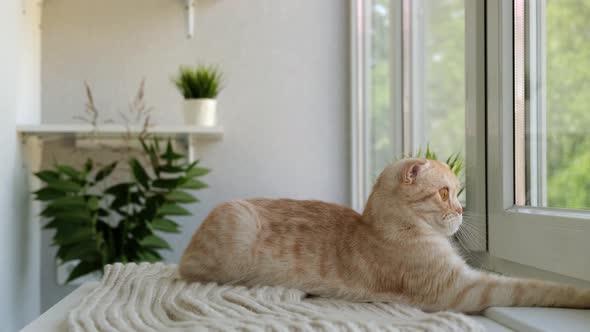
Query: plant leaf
pixel 69 171
pixel 197 171
pixel 123 200
pixel 120 189
pixel 166 183
pixel 454 160
pixel 193 164
pixel 48 194
pixel 83 268
pixel 70 213
pixel 74 216
pixel 173 210
pixel 165 225
pixel 93 203
pixel 62 224
pixel 170 169
pixel 105 172
pixel 150 150
pixel 88 166
pixel 154 241
pixel 193 184
pixel 170 155
pixel 68 202
pixel 79 235
pixel 448 161
pixel 151 256
pixel 141 230
pixel 103 212
pixel 65 186
pixel 181 197
pixel 47 176
pixel 81 250
pixel 139 173
pixel 199 82
pixel 54 223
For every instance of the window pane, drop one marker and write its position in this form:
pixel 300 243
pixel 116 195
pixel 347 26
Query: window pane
pixel 416 75
pixel 381 123
pixel 442 85
pixel 558 118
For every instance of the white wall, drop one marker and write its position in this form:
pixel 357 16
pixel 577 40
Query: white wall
pixel 19 278
pixel 29 67
pixel 284 109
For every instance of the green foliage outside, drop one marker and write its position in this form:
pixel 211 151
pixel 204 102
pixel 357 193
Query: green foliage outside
pixel 444 76
pixel 198 82
pixel 568 103
pixel 97 224
pixel 381 120
pixel 443 87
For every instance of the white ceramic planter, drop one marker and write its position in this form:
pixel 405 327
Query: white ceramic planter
pixel 200 112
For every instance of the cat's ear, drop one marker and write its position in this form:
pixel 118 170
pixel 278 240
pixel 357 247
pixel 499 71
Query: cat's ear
pixel 411 169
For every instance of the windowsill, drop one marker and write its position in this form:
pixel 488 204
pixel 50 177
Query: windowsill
pixel 534 319
pixel 540 319
pixel 488 262
pixel 489 324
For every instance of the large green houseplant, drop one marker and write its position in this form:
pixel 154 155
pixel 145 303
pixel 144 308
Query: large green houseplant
pixel 98 223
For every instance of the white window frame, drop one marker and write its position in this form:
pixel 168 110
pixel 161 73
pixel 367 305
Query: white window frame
pixel 554 240
pixel 535 103
pixel 358 102
pixel 475 118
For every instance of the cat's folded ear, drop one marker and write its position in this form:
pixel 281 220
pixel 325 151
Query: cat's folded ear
pixel 411 168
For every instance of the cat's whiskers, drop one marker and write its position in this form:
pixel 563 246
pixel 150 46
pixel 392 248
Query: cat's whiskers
pixel 468 235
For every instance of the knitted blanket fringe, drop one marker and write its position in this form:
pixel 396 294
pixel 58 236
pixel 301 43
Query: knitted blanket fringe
pixel 151 297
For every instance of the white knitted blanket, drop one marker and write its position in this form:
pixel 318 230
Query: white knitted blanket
pixel 150 297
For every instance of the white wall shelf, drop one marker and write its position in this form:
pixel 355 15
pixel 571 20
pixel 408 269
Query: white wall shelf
pixel 33 137
pixel 114 130
pixel 88 135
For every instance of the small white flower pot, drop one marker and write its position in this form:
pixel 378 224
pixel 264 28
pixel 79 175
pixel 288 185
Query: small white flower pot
pixel 200 112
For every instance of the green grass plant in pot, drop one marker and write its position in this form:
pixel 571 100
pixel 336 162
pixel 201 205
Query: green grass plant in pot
pixel 199 86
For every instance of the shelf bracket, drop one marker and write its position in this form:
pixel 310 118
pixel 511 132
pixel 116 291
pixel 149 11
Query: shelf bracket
pixel 190 18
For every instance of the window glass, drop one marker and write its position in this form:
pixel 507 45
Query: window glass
pixel 381 120
pixel 558 100
pixel 418 47
pixel 443 78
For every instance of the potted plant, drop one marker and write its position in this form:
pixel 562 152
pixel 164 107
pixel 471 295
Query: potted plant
pixel 98 221
pixel 199 86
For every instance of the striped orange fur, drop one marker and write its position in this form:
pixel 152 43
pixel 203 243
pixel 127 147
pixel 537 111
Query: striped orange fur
pixel 398 250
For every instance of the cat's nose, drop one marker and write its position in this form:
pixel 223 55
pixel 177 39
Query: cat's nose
pixel 459 210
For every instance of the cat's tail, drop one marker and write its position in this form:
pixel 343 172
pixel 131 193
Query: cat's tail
pixel 222 250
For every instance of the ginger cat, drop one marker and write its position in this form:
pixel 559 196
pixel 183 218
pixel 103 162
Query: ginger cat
pixel 398 250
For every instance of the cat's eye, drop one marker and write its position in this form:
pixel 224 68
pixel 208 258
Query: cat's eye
pixel 444 193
